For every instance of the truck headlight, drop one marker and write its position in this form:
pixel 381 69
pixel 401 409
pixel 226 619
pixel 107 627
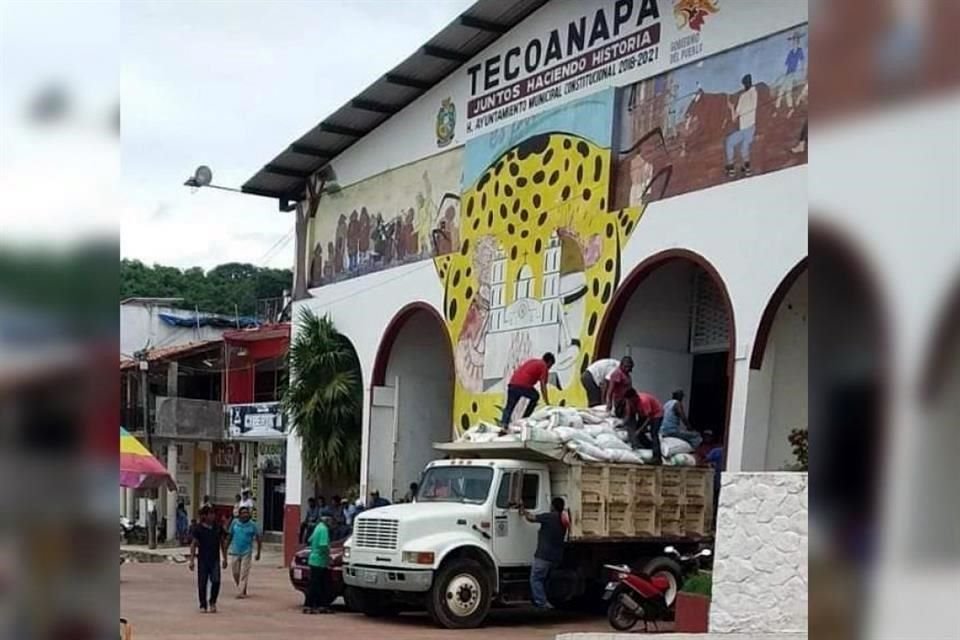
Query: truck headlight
pixel 418 557
pixel 346 553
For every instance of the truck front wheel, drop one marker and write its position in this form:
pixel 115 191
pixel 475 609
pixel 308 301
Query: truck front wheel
pixel 460 596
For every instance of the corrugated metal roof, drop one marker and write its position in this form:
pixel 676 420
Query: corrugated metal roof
pixel 172 352
pixel 469 34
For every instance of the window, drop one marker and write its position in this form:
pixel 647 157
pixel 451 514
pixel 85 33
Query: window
pixel 455 484
pixel 503 495
pixel 529 490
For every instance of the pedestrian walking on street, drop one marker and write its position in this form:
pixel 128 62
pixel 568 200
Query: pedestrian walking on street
pixel 206 547
pixel 243 532
pixel 318 561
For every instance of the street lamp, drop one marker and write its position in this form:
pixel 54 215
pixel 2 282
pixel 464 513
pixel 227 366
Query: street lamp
pixel 202 178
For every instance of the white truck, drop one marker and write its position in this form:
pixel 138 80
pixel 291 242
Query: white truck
pixel 463 546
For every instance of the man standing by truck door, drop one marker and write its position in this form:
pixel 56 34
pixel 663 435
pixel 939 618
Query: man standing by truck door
pixel 522 385
pixel 549 549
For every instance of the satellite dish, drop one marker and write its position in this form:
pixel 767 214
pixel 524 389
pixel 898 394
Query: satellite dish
pixel 202 176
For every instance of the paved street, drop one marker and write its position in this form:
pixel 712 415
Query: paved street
pixel 159 599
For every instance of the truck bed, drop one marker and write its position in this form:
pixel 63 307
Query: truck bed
pixel 614 501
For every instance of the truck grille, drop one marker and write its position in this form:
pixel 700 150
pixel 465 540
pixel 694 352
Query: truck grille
pixel 376 533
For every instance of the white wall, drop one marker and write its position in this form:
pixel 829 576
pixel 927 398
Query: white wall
pixel 760 569
pixel 422 362
pixel 655 330
pixel 141 326
pixel 788 403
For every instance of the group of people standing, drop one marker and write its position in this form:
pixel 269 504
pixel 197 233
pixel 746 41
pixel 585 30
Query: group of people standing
pixel 607 381
pixel 213 547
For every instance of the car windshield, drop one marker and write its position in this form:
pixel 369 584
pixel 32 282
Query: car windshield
pixel 455 484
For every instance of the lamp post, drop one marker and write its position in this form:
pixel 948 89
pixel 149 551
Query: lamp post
pixel 323 181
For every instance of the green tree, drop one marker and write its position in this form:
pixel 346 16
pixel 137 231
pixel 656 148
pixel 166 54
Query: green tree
pixel 227 288
pixel 323 398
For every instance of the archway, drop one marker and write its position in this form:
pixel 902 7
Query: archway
pixel 411 403
pixel 777 386
pixel 673 315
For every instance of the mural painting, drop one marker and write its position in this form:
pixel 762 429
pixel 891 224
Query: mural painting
pixel 539 255
pixel 407 214
pixel 740 113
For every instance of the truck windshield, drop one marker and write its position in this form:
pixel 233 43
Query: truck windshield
pixel 455 484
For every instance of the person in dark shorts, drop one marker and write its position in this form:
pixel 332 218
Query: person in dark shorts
pixel 206 549
pixel 594 379
pixel 549 553
pixel 523 384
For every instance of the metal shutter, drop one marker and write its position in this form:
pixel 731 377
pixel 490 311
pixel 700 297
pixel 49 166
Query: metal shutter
pixel 226 486
pixel 709 330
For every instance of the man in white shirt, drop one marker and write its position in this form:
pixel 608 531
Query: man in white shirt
pixel 745 115
pixel 245 501
pixel 594 379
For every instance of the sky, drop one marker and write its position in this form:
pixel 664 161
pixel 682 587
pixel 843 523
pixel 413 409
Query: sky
pixel 225 84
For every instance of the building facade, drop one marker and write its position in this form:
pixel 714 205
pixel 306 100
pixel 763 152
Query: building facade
pixel 605 178
pixel 212 413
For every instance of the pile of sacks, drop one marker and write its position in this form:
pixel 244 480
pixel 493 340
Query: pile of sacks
pixel 590 434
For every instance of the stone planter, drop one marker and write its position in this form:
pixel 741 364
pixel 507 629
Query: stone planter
pixel 692 613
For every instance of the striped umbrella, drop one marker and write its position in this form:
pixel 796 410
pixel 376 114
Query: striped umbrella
pixel 138 468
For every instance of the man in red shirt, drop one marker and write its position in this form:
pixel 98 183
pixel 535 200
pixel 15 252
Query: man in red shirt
pixel 618 381
pixel 642 411
pixel 522 384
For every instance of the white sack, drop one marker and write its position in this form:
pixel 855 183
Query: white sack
pixel 672 446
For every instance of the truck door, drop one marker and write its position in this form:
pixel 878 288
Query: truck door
pixel 515 539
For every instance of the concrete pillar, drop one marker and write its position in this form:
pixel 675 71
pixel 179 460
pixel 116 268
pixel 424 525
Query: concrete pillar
pixel 173 372
pixel 736 437
pixel 757 425
pixel 293 498
pixel 208 470
pixel 129 503
pixel 172 499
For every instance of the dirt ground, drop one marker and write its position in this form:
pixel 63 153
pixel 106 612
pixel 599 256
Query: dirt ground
pixel 160 601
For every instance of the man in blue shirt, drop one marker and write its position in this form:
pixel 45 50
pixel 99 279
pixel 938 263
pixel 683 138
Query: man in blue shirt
pixel 794 76
pixel 243 531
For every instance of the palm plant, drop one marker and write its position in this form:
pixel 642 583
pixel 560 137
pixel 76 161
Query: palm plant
pixel 323 399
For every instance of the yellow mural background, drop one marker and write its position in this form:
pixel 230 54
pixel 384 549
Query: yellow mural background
pixel 549 182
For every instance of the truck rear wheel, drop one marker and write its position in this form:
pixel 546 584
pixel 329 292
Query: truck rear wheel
pixel 460 596
pixel 370 602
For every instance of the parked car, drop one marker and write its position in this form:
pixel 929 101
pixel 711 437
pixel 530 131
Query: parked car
pixel 300 571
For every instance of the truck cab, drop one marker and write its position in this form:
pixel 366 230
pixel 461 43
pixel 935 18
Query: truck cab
pixel 458 545
pixel 463 545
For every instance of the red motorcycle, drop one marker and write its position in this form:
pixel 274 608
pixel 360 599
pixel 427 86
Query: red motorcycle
pixel 648 596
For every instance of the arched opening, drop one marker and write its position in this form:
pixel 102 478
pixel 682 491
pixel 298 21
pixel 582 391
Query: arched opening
pixel 777 386
pixel 848 391
pixel 673 316
pixel 411 403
